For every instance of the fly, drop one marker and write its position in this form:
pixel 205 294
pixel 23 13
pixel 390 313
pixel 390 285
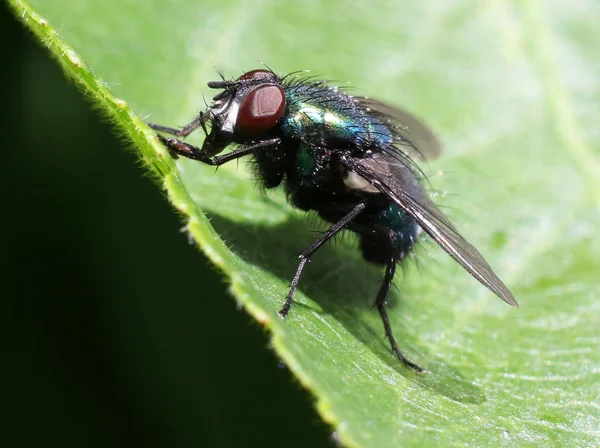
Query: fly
pixel 350 159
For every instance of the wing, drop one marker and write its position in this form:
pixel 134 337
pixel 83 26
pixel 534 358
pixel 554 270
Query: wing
pixel 398 182
pixel 406 127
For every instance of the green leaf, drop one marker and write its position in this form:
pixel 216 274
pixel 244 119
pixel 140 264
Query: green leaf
pixel 512 89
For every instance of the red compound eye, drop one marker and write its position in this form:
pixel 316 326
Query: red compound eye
pixel 259 75
pixel 260 110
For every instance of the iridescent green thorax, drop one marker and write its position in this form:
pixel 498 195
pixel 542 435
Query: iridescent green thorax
pixel 328 117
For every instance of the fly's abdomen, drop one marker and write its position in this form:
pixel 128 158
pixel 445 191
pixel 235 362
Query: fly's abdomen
pixel 386 232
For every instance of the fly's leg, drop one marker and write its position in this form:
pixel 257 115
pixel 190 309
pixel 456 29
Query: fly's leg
pixel 380 304
pixel 180 148
pixel 309 251
pixel 200 121
pixel 184 131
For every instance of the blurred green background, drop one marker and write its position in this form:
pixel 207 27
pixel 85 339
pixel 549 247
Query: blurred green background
pixel 93 353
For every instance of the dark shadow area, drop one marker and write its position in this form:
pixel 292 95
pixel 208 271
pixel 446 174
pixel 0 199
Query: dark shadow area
pixel 326 280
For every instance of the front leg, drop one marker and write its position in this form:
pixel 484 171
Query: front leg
pixel 177 148
pixel 184 131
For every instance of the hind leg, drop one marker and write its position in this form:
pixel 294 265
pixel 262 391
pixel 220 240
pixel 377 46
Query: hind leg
pixel 380 304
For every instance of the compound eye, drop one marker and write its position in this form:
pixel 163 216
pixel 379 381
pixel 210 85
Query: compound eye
pixel 260 110
pixel 259 75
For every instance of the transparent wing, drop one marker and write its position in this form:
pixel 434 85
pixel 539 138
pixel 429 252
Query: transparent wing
pixel 407 128
pixel 398 182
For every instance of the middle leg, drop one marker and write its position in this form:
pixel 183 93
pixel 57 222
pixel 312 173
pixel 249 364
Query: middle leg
pixel 310 250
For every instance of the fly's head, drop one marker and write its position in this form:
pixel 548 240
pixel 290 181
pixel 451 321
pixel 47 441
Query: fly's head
pixel 246 110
